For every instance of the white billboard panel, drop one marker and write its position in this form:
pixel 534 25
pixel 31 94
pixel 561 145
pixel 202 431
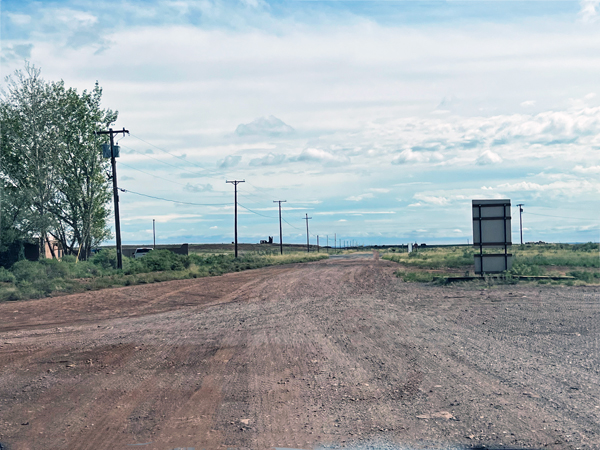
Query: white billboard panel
pixel 491 223
pixel 493 263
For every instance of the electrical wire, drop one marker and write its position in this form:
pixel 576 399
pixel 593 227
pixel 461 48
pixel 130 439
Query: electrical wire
pixel 173 201
pixel 159 160
pixel 291 224
pixel 270 217
pixel 558 217
pixel 150 174
pixel 174 156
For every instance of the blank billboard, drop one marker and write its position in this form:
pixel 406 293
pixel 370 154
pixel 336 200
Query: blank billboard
pixel 491 223
pixel 492 263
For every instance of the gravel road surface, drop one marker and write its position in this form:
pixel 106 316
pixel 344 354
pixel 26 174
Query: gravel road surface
pixel 337 353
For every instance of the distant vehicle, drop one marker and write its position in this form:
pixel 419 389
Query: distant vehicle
pixel 139 252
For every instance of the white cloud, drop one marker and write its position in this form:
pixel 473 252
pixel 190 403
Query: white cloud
pixel 214 228
pixel 380 190
pixel 315 154
pixel 457 230
pixel 271 159
pixel 488 157
pixel 528 103
pixel 229 162
pixel 589 169
pixel 589 12
pixel 198 187
pixel 358 198
pixel 19 19
pixel 409 156
pixel 439 201
pixel 268 125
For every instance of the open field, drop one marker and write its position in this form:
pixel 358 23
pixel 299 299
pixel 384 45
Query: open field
pixel 581 262
pixel 50 277
pixel 332 353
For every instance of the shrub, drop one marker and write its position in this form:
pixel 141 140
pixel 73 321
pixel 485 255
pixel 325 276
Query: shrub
pixel 27 271
pixel 6 276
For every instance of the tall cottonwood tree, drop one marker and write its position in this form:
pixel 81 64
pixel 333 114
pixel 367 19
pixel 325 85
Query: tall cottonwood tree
pixel 29 135
pixel 81 205
pixel 51 164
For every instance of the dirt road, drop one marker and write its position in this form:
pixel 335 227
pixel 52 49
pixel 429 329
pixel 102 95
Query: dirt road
pixel 319 355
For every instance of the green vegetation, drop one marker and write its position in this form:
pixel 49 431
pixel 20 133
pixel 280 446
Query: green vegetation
pixel 52 174
pixel 29 279
pixel 578 261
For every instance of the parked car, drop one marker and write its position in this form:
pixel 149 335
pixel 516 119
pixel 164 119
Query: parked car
pixel 139 252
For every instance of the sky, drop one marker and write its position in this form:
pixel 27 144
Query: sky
pixel 380 120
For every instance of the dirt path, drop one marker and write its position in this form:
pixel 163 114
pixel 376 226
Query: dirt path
pixel 318 355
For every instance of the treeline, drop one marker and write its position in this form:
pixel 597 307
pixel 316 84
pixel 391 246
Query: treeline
pixel 54 179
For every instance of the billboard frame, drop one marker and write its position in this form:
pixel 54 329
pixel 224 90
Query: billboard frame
pixel 491 237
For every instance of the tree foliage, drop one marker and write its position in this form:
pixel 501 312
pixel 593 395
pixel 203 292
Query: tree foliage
pixel 53 175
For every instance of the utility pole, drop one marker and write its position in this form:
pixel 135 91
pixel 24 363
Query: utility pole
pixel 113 163
pixel 280 233
pixel 335 242
pixel 317 243
pixel 307 235
pixel 235 183
pixel 154 232
pixel 520 205
pixel 327 244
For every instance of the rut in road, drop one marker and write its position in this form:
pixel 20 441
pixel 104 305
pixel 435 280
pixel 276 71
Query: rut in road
pixel 337 352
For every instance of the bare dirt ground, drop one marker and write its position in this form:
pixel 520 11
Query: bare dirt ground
pixel 338 353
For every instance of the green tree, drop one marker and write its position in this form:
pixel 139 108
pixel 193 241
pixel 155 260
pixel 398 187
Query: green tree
pixel 29 136
pixel 81 206
pixel 52 169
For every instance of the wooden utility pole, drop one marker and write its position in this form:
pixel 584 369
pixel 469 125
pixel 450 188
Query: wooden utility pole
pixel 154 233
pixel 235 183
pixel 113 163
pixel 280 232
pixel 317 243
pixel 520 205
pixel 307 235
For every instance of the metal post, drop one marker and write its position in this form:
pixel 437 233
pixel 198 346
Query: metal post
pixel 154 232
pixel 317 243
pixel 520 205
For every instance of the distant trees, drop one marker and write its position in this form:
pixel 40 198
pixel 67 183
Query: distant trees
pixel 52 171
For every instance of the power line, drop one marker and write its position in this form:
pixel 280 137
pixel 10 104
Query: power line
pixel 173 201
pixel 159 160
pixel 561 217
pixel 174 156
pixel 152 175
pixel 299 229
pixel 254 212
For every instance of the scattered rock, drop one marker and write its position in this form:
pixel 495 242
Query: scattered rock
pixel 438 415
